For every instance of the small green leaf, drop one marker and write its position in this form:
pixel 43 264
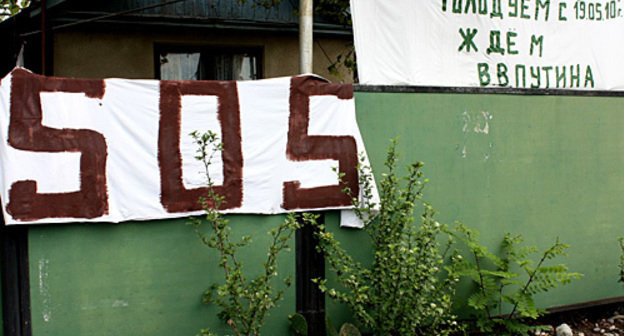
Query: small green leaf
pixel 349 329
pixel 298 324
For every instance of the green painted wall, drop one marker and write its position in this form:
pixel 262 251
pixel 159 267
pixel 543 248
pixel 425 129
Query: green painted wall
pixel 138 278
pixel 540 166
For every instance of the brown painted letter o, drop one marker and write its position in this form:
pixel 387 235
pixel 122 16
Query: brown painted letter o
pixel 174 196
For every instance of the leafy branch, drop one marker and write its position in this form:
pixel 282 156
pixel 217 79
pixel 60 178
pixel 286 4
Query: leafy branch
pixel 11 7
pixel 244 302
pixel 621 265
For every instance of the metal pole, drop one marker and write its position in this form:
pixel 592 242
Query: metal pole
pixel 44 9
pixel 305 36
pixel 310 263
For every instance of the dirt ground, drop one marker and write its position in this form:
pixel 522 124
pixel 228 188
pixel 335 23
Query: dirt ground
pixel 606 320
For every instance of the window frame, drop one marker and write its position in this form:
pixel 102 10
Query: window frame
pixel 254 50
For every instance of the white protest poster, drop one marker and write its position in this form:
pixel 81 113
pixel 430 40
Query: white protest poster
pixel 534 44
pixel 114 150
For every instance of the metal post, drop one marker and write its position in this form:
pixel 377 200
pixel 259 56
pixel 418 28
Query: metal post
pixel 310 263
pixel 44 50
pixel 305 36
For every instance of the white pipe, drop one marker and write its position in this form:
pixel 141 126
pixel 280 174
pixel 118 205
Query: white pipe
pixel 305 36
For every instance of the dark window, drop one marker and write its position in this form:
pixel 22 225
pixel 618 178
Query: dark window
pixel 208 63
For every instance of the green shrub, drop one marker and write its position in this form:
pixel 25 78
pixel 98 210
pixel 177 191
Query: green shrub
pixel 406 290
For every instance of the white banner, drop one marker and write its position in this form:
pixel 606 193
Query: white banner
pixel 116 150
pixel 545 44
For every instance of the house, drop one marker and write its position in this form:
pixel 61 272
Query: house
pixel 220 39
pixel 543 164
pixel 146 39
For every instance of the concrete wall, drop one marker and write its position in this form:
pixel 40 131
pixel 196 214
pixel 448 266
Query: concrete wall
pixel 130 53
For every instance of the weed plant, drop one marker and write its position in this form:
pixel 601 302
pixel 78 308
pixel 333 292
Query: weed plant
pixel 514 279
pixel 244 302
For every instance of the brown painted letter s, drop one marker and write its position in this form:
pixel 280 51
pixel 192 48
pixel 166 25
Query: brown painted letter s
pixel 304 147
pixel 26 132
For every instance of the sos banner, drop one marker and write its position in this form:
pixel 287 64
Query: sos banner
pixel 116 150
pixel 535 44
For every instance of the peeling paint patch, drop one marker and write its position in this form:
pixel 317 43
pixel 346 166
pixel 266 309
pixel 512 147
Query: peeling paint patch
pixel 466 118
pixel 44 290
pixel 483 123
pixel 105 303
pixel 479 123
pixel 88 307
pixel 119 303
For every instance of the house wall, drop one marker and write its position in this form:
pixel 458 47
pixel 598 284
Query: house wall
pixel 99 54
pixel 141 278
